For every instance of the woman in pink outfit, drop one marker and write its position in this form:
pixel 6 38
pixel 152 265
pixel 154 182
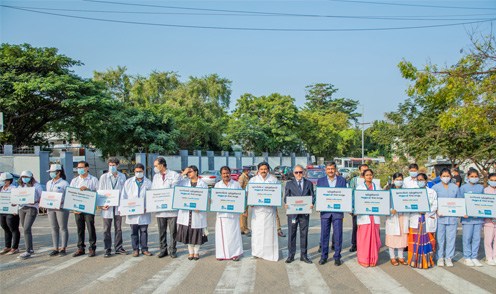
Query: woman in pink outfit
pixel 490 226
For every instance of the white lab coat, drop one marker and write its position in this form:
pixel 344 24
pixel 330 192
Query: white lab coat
pixel 430 217
pixel 364 219
pixel 393 224
pixel 198 219
pixel 105 183
pixel 172 178
pixel 132 191
pixel 264 239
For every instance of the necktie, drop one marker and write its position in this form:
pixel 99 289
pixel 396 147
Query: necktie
pixel 163 177
pixel 300 186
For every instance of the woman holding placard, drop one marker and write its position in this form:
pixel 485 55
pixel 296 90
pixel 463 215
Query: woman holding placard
pixel 421 241
pixel 28 212
pixel 192 223
pixel 368 237
pixel 397 228
pixel 10 222
pixel 472 226
pixel 490 226
pixel 58 218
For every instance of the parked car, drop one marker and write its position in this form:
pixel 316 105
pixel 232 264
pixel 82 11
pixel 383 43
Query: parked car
pixel 279 173
pixel 313 174
pixel 344 172
pixel 235 173
pixel 211 177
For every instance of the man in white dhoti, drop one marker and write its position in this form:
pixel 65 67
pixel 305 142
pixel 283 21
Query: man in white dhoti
pixel 264 242
pixel 228 243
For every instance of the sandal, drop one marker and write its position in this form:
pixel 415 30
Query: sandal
pixel 394 262
pixel 402 261
pixel 235 259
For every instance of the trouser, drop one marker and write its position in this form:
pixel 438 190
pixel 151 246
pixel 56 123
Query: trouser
pixel 58 219
pixel 139 236
pixel 354 232
pixel 471 240
pixel 446 234
pixel 89 220
pixel 107 232
pixel 27 216
pixel 243 221
pixel 302 220
pixel 162 223
pixel 337 227
pixel 193 249
pixel 10 226
pixel 393 256
pixel 490 241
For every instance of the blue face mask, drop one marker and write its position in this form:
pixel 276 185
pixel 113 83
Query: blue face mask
pixel 81 171
pixel 413 174
pixel 421 184
pixel 26 180
pixel 53 175
pixel 398 183
pixel 492 183
pixel 112 168
pixel 474 180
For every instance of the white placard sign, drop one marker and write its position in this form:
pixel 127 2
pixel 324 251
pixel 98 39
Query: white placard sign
pixel 451 206
pixel 299 205
pixel 227 200
pixel 190 198
pixel 108 198
pixel 51 200
pixel 22 195
pixel 481 205
pixel 5 204
pixel 132 206
pixel 372 202
pixel 410 200
pixel 262 194
pixel 334 199
pixel 159 200
pixel 81 201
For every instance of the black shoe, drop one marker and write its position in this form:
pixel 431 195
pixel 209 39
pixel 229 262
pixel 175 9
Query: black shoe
pixel 305 259
pixel 53 253
pixel 121 251
pixel 173 254
pixel 196 258
pixel 91 253
pixel 322 261
pixel 337 262
pixel 353 249
pixel 290 259
pixel 332 247
pixel 248 234
pixel 108 252
pixel 190 258
pixel 78 253
pixel 163 254
pixel 320 249
pixel 62 252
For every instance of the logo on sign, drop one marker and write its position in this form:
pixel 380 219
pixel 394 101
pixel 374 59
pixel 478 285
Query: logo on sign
pixel 81 206
pixel 267 200
pixel 375 209
pixel 192 205
pixel 414 206
pixel 230 207
pixel 337 206
pixel 164 205
pixel 5 209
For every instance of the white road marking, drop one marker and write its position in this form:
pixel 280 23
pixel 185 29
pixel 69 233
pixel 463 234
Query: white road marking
pixel 238 277
pixel 53 269
pixel 451 282
pixel 16 261
pixel 304 278
pixel 485 269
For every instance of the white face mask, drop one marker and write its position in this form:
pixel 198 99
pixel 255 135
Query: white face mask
pixel 398 183
pixel 445 179
pixel 139 175
pixel 473 180
pixel 156 170
pixel 421 184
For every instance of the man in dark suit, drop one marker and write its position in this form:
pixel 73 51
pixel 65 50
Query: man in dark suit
pixel 299 186
pixel 334 218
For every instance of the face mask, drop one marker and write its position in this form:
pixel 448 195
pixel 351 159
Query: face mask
pixel 398 183
pixel 139 175
pixel 53 175
pixel 492 183
pixel 421 184
pixel 112 168
pixel 81 171
pixel 413 174
pixel 473 180
pixel 26 180
pixel 445 179
pixel 156 170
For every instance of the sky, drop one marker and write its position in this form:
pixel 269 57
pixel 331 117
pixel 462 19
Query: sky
pixel 336 42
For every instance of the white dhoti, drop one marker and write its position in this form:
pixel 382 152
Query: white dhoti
pixel 228 243
pixel 264 239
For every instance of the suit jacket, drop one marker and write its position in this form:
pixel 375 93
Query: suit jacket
pixel 292 189
pixel 341 183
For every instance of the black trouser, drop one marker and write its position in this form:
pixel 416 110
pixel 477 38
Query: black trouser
pixel 354 232
pixel 107 234
pixel 302 220
pixel 89 220
pixel 10 225
pixel 162 223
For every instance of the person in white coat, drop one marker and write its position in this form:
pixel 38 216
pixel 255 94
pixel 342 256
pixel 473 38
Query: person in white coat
pixel 397 228
pixel 421 240
pixel 228 242
pixel 192 224
pixel 411 181
pixel 165 178
pixel 113 180
pixel 135 188
pixel 264 241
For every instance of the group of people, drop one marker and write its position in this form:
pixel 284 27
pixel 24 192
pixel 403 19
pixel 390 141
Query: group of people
pixel 421 233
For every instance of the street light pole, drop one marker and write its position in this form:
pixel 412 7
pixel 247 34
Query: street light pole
pixel 363 144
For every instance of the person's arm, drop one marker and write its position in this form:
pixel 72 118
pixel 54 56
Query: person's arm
pixel 177 179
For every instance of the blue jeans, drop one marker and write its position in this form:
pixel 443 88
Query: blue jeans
pixel 446 233
pixel 471 240
pixel 139 236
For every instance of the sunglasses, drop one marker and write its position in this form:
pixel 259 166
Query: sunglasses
pixel 298 172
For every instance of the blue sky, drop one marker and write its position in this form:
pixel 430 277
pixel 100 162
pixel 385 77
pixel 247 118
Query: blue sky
pixel 361 64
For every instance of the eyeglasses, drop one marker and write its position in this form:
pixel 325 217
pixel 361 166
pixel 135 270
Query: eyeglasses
pixel 298 172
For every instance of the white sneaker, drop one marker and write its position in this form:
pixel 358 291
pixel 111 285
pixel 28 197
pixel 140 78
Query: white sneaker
pixel 440 262
pixel 476 262
pixel 448 262
pixel 490 261
pixel 25 255
pixel 469 262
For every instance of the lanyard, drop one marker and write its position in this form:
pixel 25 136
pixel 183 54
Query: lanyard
pixel 139 186
pixel 114 184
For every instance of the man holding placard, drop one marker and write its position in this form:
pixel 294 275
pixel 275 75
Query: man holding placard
pixel 165 178
pixel 85 182
pixel 299 186
pixel 113 180
pixel 135 188
pixel 334 218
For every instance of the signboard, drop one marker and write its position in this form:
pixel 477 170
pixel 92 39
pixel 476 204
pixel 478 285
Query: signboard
pixel 372 202
pixel 334 199
pixel 263 194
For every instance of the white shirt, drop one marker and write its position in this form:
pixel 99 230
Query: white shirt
pixel 410 183
pixel 89 182
pixel 172 178
pixel 131 190
pixel 231 185
pixel 8 189
pixel 109 181
pixel 332 183
pixel 58 186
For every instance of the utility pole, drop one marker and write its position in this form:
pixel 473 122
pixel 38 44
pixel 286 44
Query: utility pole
pixel 363 141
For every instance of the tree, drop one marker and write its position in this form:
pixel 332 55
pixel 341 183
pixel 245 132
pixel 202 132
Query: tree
pixel 319 99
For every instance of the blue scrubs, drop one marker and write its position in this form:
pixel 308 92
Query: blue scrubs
pixel 472 226
pixel 446 225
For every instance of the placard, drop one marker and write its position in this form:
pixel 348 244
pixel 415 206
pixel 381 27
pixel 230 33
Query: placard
pixel 372 202
pixel 451 206
pixel 481 205
pixel 410 200
pixel 133 206
pixel 227 200
pixel 190 198
pixel 264 194
pixel 108 198
pixel 5 204
pixel 51 200
pixel 22 195
pixel 334 199
pixel 159 200
pixel 299 205
pixel 81 201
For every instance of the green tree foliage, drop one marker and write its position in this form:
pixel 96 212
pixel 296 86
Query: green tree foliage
pixel 319 99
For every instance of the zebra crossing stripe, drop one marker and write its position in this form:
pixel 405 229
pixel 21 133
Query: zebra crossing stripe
pixel 54 269
pixel 304 278
pixel 449 281
pixel 485 269
pixel 238 277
